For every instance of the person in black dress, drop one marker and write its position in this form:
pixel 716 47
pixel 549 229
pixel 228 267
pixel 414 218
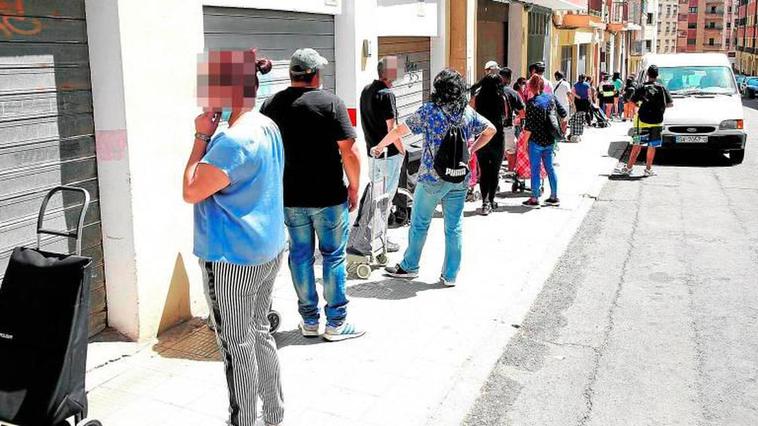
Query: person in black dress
pixel 490 103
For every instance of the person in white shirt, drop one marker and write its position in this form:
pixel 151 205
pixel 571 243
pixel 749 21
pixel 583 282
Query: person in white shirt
pixel 562 90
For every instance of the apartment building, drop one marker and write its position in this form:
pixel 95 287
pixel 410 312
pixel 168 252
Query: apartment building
pixel 668 12
pixel 701 26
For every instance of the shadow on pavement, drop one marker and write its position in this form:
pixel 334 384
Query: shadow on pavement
pixel 391 289
pixel 619 149
pixel 501 209
pixel 294 338
pixel 698 158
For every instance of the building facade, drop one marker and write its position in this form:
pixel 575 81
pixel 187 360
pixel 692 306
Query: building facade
pixel 668 13
pixel 702 26
pixel 745 37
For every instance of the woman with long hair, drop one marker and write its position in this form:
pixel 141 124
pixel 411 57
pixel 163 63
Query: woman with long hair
pixel 448 107
pixel 234 180
pixel 490 103
pixel 630 108
pixel 541 134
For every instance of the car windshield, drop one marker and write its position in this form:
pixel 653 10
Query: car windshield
pixel 752 81
pixel 696 80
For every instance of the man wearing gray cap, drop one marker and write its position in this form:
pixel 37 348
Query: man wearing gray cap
pixel 319 144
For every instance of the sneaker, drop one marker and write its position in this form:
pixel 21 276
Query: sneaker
pixel 308 329
pixel 341 332
pixel 446 282
pixel 624 171
pixel 486 209
pixel 531 203
pixel 398 272
pixel 392 247
pixel 494 205
pixel 553 202
pixel 650 173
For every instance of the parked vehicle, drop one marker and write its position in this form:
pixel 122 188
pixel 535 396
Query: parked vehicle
pixel 707 111
pixel 741 82
pixel 750 87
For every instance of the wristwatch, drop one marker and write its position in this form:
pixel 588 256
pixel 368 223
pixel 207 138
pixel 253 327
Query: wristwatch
pixel 202 136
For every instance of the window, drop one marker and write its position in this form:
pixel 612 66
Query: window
pixel 668 10
pixel 710 42
pixel 711 79
pixel 692 25
pixel 690 41
pixel 649 18
pixel 649 45
pixel 693 10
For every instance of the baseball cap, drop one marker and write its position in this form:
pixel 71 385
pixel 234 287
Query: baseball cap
pixel 306 61
pixel 490 65
pixel 539 66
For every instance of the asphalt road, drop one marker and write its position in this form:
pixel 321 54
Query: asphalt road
pixel 651 316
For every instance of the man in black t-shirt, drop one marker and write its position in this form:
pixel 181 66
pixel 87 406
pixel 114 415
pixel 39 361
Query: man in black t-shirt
pixel 319 143
pixel 653 99
pixel 379 117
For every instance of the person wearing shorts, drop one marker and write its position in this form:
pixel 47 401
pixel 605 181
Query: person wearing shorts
pixel 653 99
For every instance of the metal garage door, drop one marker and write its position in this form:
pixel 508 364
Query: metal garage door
pixel 47 131
pixel 276 35
pixel 414 87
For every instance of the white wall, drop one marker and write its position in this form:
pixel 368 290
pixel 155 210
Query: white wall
pixel 440 42
pixel 103 29
pixel 144 83
pixel 406 17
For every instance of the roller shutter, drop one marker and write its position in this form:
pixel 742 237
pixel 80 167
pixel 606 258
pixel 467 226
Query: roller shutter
pixel 47 131
pixel 414 86
pixel 276 35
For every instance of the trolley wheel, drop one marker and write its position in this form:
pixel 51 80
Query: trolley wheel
pixel 89 422
pixel 274 320
pixel 363 271
pixel 382 259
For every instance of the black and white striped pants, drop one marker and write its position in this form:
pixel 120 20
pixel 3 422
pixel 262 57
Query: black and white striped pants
pixel 239 298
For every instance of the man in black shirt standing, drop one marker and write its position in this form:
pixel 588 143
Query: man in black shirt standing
pixel 319 143
pixel 648 125
pixel 378 117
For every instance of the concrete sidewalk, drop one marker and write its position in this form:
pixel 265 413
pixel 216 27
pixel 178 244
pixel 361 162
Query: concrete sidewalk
pixel 428 349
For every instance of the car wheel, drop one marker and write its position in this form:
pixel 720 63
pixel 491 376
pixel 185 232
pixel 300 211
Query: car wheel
pixel 751 94
pixel 737 156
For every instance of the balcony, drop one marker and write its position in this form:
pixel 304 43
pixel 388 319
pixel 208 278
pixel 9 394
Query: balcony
pixel 713 13
pixel 580 20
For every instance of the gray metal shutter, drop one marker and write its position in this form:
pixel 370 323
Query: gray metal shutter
pixel 47 131
pixel 414 84
pixel 276 35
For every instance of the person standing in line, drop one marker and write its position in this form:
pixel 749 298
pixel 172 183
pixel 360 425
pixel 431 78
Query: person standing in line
pixel 234 181
pixel 378 109
pixel 448 108
pixel 562 91
pixel 490 68
pixel 523 94
pixel 515 105
pixel 539 69
pixel 653 99
pixel 319 143
pixel 607 96
pixel 582 101
pixel 629 106
pixel 490 102
pixel 593 91
pixel 541 141
pixel 618 83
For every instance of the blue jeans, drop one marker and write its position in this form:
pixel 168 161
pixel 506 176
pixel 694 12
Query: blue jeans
pixel 330 224
pixel 539 154
pixel 426 197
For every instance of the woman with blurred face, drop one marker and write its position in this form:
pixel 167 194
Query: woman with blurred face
pixel 234 180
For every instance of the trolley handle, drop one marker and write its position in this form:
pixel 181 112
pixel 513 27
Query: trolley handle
pixel 80 225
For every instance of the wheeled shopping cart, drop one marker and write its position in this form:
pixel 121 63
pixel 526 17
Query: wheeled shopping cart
pixel 367 245
pixel 44 324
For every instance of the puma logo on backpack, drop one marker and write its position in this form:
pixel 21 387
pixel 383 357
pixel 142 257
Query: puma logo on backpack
pixel 451 160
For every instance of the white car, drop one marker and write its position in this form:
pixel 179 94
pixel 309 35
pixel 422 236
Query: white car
pixel 707 111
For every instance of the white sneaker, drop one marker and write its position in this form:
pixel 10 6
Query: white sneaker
pixel 308 330
pixel 447 283
pixel 624 171
pixel 650 173
pixel 342 332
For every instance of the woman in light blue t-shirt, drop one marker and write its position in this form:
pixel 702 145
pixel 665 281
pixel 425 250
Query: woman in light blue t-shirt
pixel 234 180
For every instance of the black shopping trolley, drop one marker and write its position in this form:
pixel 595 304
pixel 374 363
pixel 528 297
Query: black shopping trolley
pixel 44 324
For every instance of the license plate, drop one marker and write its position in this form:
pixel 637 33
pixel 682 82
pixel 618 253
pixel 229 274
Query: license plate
pixel 692 139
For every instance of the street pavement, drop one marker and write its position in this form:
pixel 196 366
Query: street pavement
pixel 428 349
pixel 650 316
